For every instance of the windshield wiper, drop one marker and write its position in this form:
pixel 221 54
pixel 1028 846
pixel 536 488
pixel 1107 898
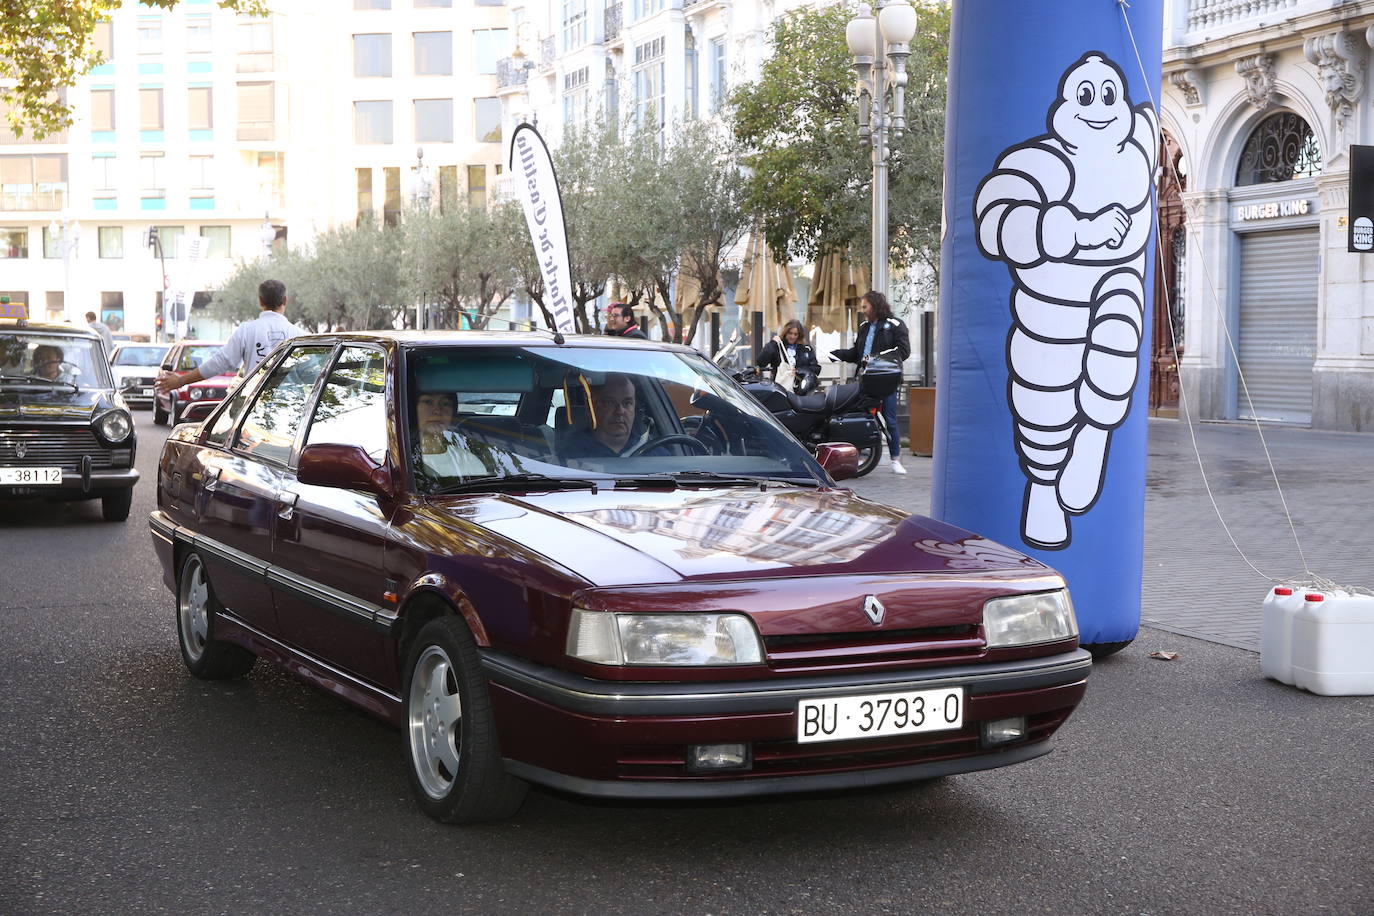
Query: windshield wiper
pixel 520 481
pixel 6 377
pixel 690 477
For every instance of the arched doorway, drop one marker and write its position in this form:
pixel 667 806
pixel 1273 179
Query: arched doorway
pixel 1167 338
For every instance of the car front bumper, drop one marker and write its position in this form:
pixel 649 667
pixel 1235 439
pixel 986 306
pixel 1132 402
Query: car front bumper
pixel 630 740
pixel 76 485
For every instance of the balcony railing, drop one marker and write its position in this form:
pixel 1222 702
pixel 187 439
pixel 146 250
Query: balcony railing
pixel 54 199
pixel 615 15
pixel 1231 15
pixel 511 71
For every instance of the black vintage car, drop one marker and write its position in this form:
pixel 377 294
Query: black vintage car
pixel 65 432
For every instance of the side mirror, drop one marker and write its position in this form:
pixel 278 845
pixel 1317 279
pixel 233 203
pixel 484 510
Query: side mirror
pixel 840 459
pixel 345 467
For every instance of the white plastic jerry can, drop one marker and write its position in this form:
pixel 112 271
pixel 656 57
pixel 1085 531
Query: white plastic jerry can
pixel 1333 644
pixel 1276 633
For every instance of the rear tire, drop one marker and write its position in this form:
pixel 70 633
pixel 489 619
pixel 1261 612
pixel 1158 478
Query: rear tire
pixel 869 457
pixel 205 657
pixel 450 733
pixel 114 506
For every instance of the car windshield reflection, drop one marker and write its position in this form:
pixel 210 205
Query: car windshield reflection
pixel 548 416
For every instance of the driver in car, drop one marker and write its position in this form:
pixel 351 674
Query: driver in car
pixel 611 431
pixel 47 362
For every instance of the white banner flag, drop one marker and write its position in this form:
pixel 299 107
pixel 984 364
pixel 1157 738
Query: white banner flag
pixel 533 167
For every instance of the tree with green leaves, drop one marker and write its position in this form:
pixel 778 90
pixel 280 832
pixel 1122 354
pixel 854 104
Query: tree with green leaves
pixel 809 178
pixel 46 45
pixel 458 259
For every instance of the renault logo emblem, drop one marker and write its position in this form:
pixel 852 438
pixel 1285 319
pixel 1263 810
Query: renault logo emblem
pixel 21 449
pixel 875 610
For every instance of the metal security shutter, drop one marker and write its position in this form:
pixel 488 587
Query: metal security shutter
pixel 1278 324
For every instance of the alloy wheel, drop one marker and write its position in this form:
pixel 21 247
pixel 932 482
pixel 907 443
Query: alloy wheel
pixel 435 713
pixel 193 606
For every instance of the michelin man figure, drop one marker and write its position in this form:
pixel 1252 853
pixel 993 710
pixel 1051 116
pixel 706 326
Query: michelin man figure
pixel 1070 214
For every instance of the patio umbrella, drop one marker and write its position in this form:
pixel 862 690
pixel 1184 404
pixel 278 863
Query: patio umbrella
pixel 765 285
pixel 836 287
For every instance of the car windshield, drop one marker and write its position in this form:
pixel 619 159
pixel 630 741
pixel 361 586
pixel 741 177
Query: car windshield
pixel 36 358
pixel 139 356
pixel 192 357
pixel 578 413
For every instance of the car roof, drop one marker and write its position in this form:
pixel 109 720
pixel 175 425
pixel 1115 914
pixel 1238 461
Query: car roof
pixel 415 339
pixel 45 327
pixel 198 343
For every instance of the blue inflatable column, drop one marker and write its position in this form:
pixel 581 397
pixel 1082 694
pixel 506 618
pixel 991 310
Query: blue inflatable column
pixel 1046 289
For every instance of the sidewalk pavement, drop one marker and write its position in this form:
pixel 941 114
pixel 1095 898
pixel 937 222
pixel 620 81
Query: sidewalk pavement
pixel 1195 581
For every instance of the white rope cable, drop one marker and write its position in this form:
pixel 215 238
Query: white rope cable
pixel 1183 398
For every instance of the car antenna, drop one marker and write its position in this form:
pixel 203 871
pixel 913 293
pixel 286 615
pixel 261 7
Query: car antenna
pixel 558 338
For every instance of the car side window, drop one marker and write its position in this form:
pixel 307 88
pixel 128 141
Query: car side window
pixel 352 406
pixel 229 417
pixel 270 426
pixel 170 360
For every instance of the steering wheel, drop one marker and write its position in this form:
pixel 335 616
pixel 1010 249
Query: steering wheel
pixel 671 439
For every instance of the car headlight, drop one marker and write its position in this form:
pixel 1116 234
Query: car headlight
pixel 1023 620
pixel 663 639
pixel 114 426
pixel 196 394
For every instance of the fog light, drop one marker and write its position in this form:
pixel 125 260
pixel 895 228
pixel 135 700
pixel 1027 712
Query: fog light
pixel 1003 731
pixel 718 757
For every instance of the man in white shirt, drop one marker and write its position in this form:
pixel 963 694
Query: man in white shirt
pixel 250 342
pixel 103 330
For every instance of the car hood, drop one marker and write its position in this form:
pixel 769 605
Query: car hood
pixel 56 403
pixel 633 537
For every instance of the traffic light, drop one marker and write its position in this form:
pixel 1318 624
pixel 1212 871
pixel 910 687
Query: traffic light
pixel 157 321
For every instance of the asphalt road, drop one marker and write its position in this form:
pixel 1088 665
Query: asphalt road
pixel 1190 786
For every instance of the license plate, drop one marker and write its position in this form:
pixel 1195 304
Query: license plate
pixel 30 477
pixel 146 392
pixel 880 715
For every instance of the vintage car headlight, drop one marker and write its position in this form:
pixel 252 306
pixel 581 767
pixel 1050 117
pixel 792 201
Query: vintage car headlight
pixel 663 639
pixel 114 426
pixel 196 393
pixel 1023 620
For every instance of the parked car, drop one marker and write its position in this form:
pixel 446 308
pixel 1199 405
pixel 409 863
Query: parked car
pixel 65 432
pixel 135 367
pixel 579 593
pixel 183 356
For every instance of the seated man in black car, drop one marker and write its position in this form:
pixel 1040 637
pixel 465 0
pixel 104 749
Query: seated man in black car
pixel 612 428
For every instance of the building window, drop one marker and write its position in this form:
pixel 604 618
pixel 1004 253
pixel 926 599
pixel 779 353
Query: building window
pixel 372 55
pixel 150 174
pixel 57 304
pixel 103 173
pixel 9 138
pixel 391 205
pixel 198 108
pixel 52 243
pixel 255 46
pixel 575 96
pixel 477 186
pixel 150 35
pixel 103 40
pixel 1280 148
pixel 486 119
pixel 257 111
pixel 574 24
pixel 648 83
pixel 102 109
pixel 491 2
pixel 199 38
pixel 150 109
pixel 14 242
pixel 644 8
pixel 33 182
pixel 271 177
pixel 217 241
pixel 372 4
pixel 372 122
pixel 448 188
pixel 717 65
pixel 489 46
pixel 170 237
pixel 110 241
pixel 433 4
pixel 112 310
pixel 433 53
pixel 202 173
pixel 689 80
pixel 434 120
pixel 364 184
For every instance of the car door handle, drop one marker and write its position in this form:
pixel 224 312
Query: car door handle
pixel 287 506
pixel 211 478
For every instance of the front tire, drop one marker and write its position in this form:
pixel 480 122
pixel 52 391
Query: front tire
pixel 114 506
pixel 450 734
pixel 159 415
pixel 205 657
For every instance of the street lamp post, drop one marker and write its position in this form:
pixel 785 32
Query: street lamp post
pixel 68 235
pixel 880 47
pixel 423 194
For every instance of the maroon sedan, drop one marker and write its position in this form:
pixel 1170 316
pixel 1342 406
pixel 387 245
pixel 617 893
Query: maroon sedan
pixel 596 565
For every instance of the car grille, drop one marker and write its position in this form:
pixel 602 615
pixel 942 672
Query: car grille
pixel 928 645
pixel 61 446
pixel 789 758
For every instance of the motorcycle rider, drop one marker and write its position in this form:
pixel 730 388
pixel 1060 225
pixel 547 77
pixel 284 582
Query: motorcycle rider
pixel 880 331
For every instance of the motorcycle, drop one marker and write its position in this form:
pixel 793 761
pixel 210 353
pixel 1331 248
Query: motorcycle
pixel 849 412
